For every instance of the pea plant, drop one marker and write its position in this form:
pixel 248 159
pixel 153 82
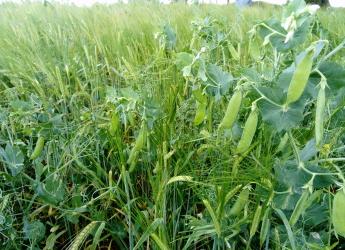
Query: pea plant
pixel 284 116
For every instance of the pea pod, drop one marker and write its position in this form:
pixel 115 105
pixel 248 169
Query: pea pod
pixel 265 226
pixel 139 145
pixel 300 208
pixel 200 114
pixel 255 222
pixel 38 148
pixel 248 132
pixel 240 202
pixel 254 49
pixel 300 78
pixel 338 213
pixel 319 114
pixel 233 52
pixel 114 124
pixel 232 110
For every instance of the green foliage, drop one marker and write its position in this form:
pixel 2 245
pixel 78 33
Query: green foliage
pixel 119 130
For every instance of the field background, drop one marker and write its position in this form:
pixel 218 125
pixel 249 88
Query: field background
pixel 58 66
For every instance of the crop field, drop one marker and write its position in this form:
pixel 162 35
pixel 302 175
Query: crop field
pixel 147 126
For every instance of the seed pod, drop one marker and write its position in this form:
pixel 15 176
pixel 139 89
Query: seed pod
pixel 254 49
pixel 248 132
pixel 240 202
pixel 199 96
pixel 233 52
pixel 139 144
pixel 232 110
pixel 38 148
pixel 319 114
pixel 300 78
pixel 265 226
pixel 114 124
pixel 256 221
pixel 200 114
pixel 300 208
pixel 338 213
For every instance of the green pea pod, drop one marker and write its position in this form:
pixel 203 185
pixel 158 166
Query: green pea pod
pixel 255 222
pixel 300 78
pixel 200 114
pixel 299 208
pixel 248 132
pixel 254 49
pixel 338 213
pixel 139 145
pixel 233 52
pixel 199 96
pixel 232 110
pixel 319 114
pixel 265 226
pixel 114 124
pixel 240 202
pixel 38 148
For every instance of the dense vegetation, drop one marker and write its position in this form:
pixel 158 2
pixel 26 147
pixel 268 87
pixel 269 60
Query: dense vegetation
pixel 171 127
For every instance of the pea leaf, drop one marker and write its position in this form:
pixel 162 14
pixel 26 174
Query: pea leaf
pixel 13 158
pixel 280 118
pixel 290 176
pixel 34 231
pixel 183 59
pixel 218 81
pixel 286 201
pixel 170 37
pixel 335 74
pixel 321 181
pixel 317 213
pixel 278 39
pixel 52 191
pixel 309 150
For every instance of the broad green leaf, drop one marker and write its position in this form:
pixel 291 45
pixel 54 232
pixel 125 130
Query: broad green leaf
pixel 201 73
pixel 280 118
pixel 308 151
pixel 13 158
pixel 278 39
pixel 170 36
pixel 34 231
pixel 286 200
pixel 317 213
pixel 293 6
pixel 335 74
pixel 183 59
pixel 52 191
pixel 321 181
pixel 218 82
pixel 19 105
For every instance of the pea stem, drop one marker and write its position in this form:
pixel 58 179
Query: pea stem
pixel 334 51
pixel 266 98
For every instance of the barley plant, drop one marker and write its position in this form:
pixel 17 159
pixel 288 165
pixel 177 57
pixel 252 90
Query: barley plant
pixel 146 126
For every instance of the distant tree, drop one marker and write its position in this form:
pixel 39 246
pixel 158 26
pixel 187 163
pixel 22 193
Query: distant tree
pixel 319 2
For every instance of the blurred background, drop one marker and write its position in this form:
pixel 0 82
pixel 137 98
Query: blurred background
pixel 333 3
